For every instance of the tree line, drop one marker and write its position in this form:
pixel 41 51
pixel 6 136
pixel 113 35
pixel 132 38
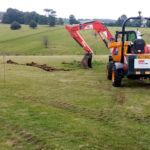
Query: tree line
pixel 118 22
pixel 50 18
pixel 131 23
pixel 21 17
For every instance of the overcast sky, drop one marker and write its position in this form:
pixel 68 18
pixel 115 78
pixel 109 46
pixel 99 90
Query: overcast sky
pixel 110 9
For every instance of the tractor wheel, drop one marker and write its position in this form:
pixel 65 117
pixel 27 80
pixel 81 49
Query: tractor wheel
pixel 116 77
pixel 109 70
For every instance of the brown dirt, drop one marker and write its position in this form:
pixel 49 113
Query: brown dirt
pixel 41 66
pixel 46 67
pixel 11 62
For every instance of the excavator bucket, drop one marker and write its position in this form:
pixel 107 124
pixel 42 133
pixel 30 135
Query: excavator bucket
pixel 87 61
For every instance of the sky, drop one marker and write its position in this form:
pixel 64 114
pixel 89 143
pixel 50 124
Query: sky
pixel 92 9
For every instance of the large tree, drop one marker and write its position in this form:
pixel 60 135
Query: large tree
pixel 51 14
pixel 72 20
pixel 52 18
pixel 121 19
pixel 13 15
pixel 25 17
pixel 48 11
pixel 30 16
pixel 42 19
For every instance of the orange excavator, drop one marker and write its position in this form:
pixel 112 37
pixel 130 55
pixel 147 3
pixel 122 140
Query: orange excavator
pixel 100 29
pixel 129 55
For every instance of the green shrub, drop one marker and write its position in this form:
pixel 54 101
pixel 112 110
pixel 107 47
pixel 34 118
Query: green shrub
pixel 33 24
pixel 15 25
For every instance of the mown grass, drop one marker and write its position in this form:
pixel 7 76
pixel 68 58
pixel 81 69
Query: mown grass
pixel 27 41
pixel 76 109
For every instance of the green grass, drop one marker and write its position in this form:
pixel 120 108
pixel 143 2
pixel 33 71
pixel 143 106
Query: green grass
pixel 28 41
pixel 71 110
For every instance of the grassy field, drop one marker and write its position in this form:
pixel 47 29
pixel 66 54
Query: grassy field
pixel 28 41
pixel 66 110
pixel 70 110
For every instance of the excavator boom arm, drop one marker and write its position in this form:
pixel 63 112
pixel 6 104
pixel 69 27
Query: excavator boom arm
pixel 99 27
pixel 78 38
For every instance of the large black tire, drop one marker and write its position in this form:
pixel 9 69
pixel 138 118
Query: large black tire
pixel 116 77
pixel 109 70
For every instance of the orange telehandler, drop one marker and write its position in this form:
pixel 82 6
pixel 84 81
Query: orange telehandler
pixel 129 56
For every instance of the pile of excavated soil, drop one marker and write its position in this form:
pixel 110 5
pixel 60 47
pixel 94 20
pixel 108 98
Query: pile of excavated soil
pixel 11 62
pixel 43 66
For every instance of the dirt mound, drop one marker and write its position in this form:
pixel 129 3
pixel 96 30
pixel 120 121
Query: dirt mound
pixel 43 66
pixel 46 67
pixel 11 62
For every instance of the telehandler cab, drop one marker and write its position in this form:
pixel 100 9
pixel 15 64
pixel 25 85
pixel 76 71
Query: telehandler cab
pixel 129 57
